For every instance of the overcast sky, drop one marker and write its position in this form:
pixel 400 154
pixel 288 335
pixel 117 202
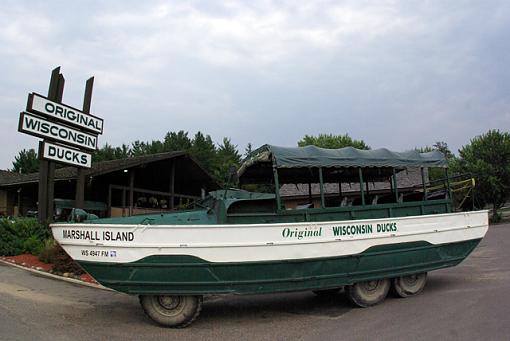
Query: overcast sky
pixel 397 74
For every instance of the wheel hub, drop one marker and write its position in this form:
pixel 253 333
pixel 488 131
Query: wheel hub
pixel 371 285
pixel 410 280
pixel 169 302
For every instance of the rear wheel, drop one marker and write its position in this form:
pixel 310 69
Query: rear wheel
pixel 368 293
pixel 405 286
pixel 172 311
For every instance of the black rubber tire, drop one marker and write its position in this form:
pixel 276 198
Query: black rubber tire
pixel 368 293
pixel 172 311
pixel 326 292
pixel 406 286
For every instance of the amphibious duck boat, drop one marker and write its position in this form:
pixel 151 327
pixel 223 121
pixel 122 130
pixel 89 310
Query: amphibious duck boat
pixel 368 236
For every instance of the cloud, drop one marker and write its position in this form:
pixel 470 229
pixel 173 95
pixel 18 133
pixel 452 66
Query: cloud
pixel 396 73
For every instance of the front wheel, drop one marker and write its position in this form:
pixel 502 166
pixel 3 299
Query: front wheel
pixel 172 311
pixel 405 286
pixel 368 293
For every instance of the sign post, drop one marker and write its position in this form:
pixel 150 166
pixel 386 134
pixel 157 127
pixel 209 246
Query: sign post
pixel 79 200
pixel 69 135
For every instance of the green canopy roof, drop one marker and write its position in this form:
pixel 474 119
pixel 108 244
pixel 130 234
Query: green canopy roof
pixel 311 156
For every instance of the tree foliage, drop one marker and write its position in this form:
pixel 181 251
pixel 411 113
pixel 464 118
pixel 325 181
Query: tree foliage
pixel 109 152
pixel 436 174
pixel 487 157
pixel 227 158
pixel 177 141
pixel 248 149
pixel 443 148
pixel 332 141
pixel 216 159
pixel 204 150
pixel 26 162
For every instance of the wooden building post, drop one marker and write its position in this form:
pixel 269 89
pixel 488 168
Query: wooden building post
pixel 123 202
pixel 131 187
pixel 109 200
pixel 172 185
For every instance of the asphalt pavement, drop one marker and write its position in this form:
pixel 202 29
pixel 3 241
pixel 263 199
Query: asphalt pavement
pixel 468 302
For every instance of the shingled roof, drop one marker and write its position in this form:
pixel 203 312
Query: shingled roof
pixel 10 177
pixel 69 173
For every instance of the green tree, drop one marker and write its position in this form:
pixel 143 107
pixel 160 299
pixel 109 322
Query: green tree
pixel 177 141
pixel 332 141
pixel 248 149
pixel 487 157
pixel 139 148
pixel 108 152
pixel 122 152
pixel 439 173
pixel 203 150
pixel 26 162
pixel 227 157
pixel 443 148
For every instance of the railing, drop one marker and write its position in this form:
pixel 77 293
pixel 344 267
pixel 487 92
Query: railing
pixel 460 188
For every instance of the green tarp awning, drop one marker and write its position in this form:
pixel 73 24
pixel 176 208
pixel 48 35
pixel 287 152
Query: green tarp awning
pixel 311 156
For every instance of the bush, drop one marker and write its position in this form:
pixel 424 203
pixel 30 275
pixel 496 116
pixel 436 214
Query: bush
pixel 33 245
pixel 53 253
pixel 23 235
pixel 63 263
pixel 496 217
pixel 48 252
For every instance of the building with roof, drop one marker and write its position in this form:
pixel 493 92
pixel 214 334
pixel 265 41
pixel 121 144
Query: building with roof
pixel 144 184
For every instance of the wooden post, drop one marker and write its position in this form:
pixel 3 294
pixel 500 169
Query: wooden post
pixel 340 191
pixel 47 168
pixel 109 200
pixel 448 188
pixel 51 190
pixel 321 183
pixel 42 195
pixel 131 194
pixel 79 199
pixel 360 173
pixel 19 191
pixel 51 164
pixel 172 185
pixel 123 202
pixel 424 185
pixel 277 188
pixel 395 185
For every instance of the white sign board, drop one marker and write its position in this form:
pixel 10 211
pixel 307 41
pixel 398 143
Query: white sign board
pixel 41 105
pixel 40 127
pixel 70 156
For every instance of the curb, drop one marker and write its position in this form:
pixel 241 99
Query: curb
pixel 65 279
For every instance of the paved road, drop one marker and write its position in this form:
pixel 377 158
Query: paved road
pixel 468 302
